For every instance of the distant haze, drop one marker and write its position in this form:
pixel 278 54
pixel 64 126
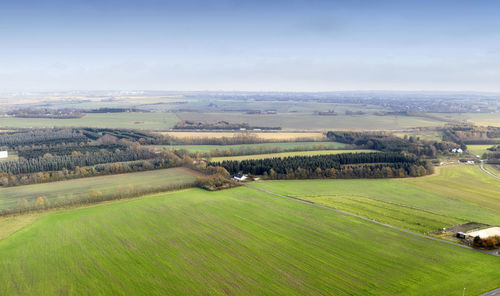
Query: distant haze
pixel 250 45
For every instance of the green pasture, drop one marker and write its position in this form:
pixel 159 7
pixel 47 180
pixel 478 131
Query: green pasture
pixel 283 146
pixel 11 197
pixel 132 120
pixel 424 135
pixel 494 168
pixel 478 149
pixel 390 213
pixel 233 242
pixel 290 154
pixel 464 183
pixel 301 121
pixel 458 193
pixel 293 106
pixel 484 119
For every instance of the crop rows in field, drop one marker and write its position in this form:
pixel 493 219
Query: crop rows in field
pixel 289 154
pixel 238 241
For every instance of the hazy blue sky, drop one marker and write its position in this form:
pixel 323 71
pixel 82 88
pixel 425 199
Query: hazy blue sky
pixel 250 45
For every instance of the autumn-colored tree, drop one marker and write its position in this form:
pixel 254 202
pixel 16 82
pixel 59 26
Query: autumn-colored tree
pixel 222 172
pixel 95 194
pixel 318 173
pixel 22 204
pixel 41 202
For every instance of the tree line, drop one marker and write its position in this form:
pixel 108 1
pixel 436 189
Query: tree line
pixel 387 142
pixel 465 133
pixel 347 165
pixel 77 136
pixel 40 203
pixel 59 162
pixel 492 242
pixel 220 125
pixel 161 161
pixel 40 151
pixel 42 136
pixel 237 139
pixel 46 113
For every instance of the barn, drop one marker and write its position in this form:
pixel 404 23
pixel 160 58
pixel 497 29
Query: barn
pixel 485 233
pixel 240 177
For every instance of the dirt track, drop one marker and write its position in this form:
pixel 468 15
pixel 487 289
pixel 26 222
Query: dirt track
pixel 488 172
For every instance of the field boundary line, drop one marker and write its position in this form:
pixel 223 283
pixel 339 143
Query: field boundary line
pixel 370 220
pixel 390 203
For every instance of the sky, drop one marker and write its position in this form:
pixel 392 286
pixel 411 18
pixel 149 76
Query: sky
pixel 250 45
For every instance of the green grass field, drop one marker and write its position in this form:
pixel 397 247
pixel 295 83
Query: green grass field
pixel 424 135
pixel 393 214
pixel 459 193
pixel 133 120
pixel 10 197
pixel 495 169
pixel 287 154
pixel 464 183
pixel 295 121
pixel 484 119
pixel 286 145
pixel 233 242
pixel 478 149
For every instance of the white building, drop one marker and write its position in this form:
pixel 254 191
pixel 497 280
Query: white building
pixel 485 233
pixel 4 154
pixel 240 177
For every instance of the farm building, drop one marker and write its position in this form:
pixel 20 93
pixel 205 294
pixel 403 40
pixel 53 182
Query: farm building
pixel 240 177
pixel 4 154
pixel 485 233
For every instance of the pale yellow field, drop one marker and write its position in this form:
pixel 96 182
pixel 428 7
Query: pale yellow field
pixel 483 119
pixel 280 136
pixel 492 119
pixel 289 154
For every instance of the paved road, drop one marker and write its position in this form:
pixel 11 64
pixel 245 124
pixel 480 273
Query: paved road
pixel 488 172
pixel 370 220
pixel 495 292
